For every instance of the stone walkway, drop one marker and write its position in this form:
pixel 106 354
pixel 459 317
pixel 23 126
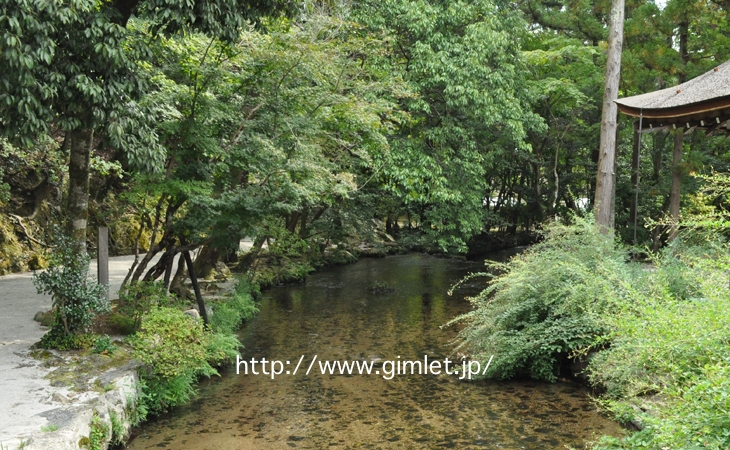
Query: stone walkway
pixel 25 395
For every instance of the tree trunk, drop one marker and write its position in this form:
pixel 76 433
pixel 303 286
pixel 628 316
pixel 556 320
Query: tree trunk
pixel 177 285
pixel 615 180
pixel 657 155
pixel 160 267
pixel 248 259
pixel 78 186
pixel 606 177
pixel 634 181
pixel 205 262
pixel 674 194
pixel 303 224
pixel 196 287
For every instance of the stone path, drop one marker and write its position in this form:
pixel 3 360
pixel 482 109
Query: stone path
pixel 25 396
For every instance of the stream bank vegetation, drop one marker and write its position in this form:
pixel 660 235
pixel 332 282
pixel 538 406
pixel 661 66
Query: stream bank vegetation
pixel 654 333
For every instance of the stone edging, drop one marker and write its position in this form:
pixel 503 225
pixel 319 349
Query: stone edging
pixel 117 404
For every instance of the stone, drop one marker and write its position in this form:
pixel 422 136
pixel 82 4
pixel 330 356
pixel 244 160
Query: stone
pixel 193 313
pixel 208 310
pixel 223 271
pixel 60 398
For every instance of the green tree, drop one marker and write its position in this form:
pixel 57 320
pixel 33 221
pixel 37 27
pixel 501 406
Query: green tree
pixel 462 59
pixel 266 135
pixel 72 67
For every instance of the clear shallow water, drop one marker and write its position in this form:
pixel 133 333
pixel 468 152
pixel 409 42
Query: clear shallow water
pixel 334 316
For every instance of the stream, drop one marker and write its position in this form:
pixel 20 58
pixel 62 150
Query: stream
pixel 336 316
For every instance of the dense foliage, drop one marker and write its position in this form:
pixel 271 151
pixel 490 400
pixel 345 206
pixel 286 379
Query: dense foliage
pixel 176 349
pixel 453 119
pixel 546 303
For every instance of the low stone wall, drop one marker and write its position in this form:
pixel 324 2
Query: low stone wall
pixel 114 406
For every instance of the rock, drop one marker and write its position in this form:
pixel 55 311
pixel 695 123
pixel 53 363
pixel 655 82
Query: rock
pixel 208 310
pixel 636 423
pixel 73 419
pixel 44 318
pixel 223 271
pixel 60 398
pixel 193 313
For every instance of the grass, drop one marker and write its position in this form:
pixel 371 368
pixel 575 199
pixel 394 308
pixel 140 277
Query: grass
pixel 49 428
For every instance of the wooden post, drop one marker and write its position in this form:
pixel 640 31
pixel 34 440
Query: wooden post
pixel 102 259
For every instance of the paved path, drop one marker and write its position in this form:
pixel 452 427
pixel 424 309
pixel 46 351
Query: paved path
pixel 24 393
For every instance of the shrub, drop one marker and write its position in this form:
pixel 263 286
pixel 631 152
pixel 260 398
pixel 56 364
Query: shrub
pixel 546 303
pixel 123 324
pixel 135 300
pixel 171 343
pixel 57 339
pixel 669 353
pixel 231 312
pixel 176 351
pixel 103 344
pixel 76 299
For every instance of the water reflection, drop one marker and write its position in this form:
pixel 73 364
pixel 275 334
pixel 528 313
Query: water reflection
pixel 336 317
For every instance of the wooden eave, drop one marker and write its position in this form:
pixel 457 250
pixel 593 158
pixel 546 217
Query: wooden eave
pixel 700 103
pixel 713 116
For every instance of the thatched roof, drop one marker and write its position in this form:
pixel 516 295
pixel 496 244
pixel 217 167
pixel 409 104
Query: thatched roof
pixel 702 102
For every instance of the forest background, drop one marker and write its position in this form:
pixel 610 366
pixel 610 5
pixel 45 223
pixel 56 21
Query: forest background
pixel 450 123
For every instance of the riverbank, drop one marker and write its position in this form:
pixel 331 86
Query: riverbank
pixel 53 399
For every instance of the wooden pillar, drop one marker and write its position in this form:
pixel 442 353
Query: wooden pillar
pixel 675 192
pixel 102 259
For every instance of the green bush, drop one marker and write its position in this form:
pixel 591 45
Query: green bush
pixel 546 303
pixel 231 312
pixel 669 353
pixel 137 299
pixel 122 324
pixel 103 344
pixel 159 394
pixel 176 350
pixel 57 339
pixel 76 298
pixel 662 330
pixel 171 343
pixel 173 348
